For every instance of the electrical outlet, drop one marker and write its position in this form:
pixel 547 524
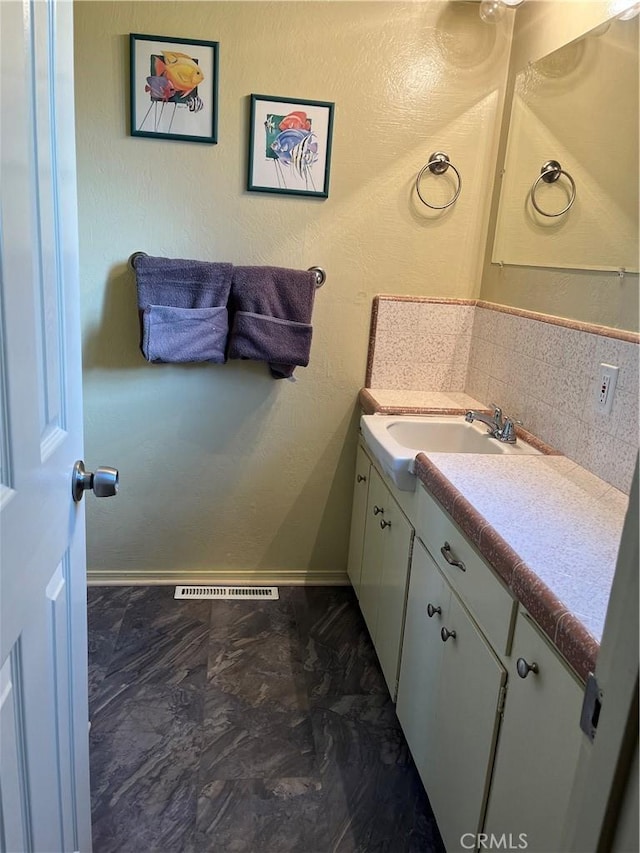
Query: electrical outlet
pixel 606 379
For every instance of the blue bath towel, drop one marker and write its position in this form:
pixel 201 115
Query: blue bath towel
pixel 184 334
pixel 271 317
pixel 183 309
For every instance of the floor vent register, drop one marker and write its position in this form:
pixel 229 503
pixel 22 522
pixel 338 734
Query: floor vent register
pixel 228 592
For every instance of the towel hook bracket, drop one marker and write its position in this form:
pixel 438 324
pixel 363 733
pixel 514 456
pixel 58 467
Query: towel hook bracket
pixel 550 172
pixel 321 275
pixel 134 257
pixel 438 163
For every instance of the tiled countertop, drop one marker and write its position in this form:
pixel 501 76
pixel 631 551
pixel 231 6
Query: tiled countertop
pixel 548 527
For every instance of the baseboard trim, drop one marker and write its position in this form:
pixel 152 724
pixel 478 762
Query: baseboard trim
pixel 293 577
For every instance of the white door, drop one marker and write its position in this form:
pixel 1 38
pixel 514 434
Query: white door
pixel 44 794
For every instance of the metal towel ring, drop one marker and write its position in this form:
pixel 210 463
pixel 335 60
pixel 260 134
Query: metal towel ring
pixel 549 173
pixel 438 164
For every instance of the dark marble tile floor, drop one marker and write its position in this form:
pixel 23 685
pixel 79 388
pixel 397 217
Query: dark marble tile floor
pixel 245 727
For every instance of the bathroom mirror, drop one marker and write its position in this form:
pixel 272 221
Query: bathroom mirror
pixel 579 107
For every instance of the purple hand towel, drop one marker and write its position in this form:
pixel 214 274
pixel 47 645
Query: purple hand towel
pixel 184 334
pixel 182 283
pixel 182 307
pixel 271 309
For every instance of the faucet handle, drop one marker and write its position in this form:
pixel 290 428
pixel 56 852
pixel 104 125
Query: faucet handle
pixel 497 414
pixel 508 431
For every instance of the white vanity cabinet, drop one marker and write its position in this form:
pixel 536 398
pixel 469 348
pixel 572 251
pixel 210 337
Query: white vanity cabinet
pixel 496 751
pixel 449 698
pixel 539 743
pixel 492 714
pixel 381 577
pixel 358 518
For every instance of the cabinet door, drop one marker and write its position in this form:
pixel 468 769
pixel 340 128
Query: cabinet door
pixel 538 747
pixel 466 727
pixel 397 537
pixel 358 518
pixel 372 552
pixel 422 651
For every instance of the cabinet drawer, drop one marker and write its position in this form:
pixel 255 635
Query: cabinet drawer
pixel 480 589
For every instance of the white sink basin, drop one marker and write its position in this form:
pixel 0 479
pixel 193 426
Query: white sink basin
pixel 396 440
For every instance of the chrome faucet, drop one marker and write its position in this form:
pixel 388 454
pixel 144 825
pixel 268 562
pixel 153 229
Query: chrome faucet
pixel 501 428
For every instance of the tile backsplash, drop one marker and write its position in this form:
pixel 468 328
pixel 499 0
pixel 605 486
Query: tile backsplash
pixel 420 344
pixel 539 369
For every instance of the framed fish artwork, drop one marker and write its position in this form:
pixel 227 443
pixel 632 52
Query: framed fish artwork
pixel 174 88
pixel 290 146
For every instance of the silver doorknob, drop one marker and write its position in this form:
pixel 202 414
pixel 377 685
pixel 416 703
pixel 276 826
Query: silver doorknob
pixel 104 481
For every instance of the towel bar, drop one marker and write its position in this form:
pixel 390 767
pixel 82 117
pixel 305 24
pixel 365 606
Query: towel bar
pixel 321 275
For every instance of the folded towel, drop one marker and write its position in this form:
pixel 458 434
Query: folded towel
pixel 194 326
pixel 271 315
pixel 184 334
pixel 283 343
pixel 182 283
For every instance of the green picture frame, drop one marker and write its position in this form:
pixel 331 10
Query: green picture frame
pixel 174 88
pixel 290 146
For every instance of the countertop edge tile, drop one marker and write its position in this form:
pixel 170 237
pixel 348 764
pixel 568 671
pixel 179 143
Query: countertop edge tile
pixel 467 517
pixel 439 486
pixel 499 554
pixel 576 644
pixel 370 406
pixel 536 442
pixel 541 603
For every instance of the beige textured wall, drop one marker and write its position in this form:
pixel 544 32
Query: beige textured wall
pixel 591 296
pixel 224 470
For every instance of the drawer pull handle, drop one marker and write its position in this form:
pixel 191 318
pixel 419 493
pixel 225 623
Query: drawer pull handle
pixel 384 524
pixel 448 555
pixel 377 510
pixel 361 478
pixel 431 610
pixel 524 668
pixel 445 633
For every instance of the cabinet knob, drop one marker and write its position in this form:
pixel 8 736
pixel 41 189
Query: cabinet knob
pixel 447 553
pixel 361 478
pixel 431 610
pixel 384 524
pixel 445 633
pixel 377 510
pixel 524 668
